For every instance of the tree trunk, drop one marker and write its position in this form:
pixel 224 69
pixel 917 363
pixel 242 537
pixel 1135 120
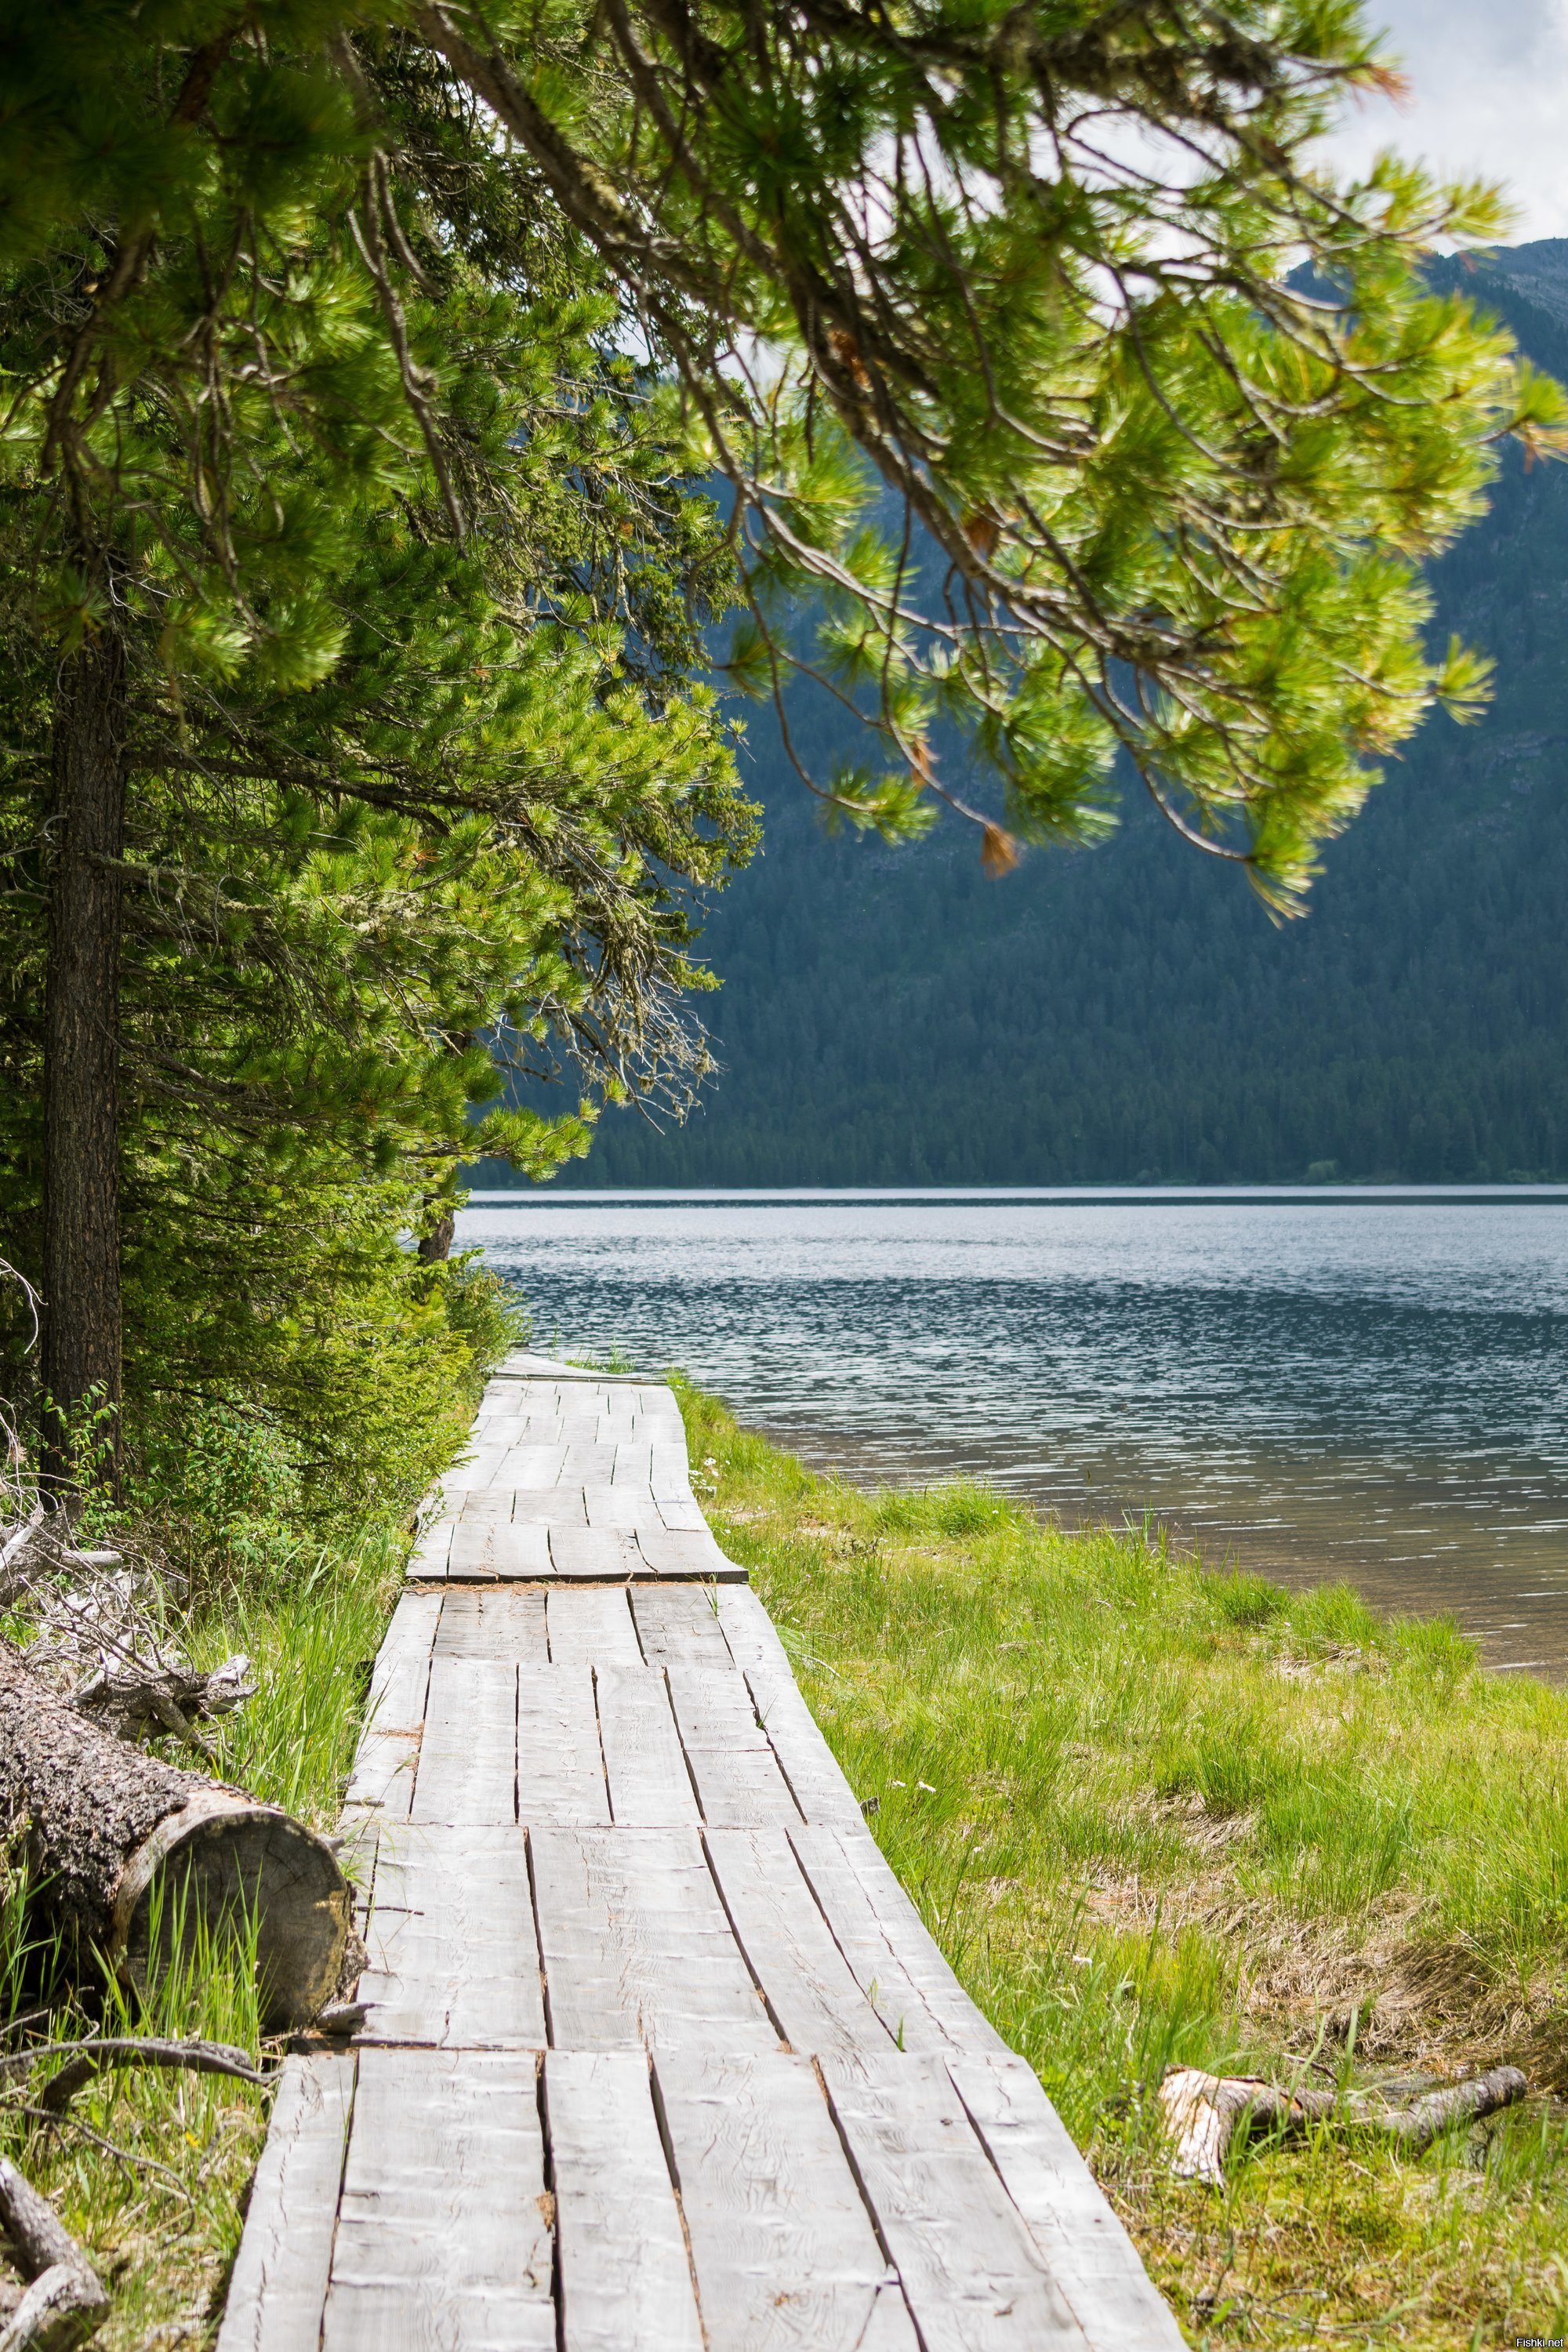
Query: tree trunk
pixel 435 1241
pixel 122 1848
pixel 81 1048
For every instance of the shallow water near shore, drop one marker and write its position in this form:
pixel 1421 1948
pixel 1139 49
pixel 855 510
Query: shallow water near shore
pixel 1311 1385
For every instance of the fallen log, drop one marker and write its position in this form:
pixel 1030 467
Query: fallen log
pixel 66 2301
pixel 1204 2111
pixel 121 1845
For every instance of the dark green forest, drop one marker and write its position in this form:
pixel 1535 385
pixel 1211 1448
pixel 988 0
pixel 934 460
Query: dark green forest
pixel 894 1016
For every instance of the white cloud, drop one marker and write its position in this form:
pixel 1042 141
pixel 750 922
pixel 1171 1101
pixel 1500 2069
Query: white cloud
pixel 1490 83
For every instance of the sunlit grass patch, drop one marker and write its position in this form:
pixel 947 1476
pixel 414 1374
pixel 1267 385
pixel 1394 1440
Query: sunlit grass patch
pixel 1158 1815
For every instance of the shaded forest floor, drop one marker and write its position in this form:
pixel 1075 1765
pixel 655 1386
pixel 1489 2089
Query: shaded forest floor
pixel 1158 1816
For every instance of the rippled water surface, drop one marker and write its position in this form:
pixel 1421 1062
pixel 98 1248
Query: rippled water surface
pixel 1372 1388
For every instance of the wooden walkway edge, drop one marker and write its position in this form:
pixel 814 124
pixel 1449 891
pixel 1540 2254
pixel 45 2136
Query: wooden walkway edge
pixel 658 2055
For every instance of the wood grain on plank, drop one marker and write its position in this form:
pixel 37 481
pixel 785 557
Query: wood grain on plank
pixel 443 2240
pixel 682 1517
pixel 687 1557
pixel 560 1767
pixel 483 1551
pixel 468 1758
pixel 635 1946
pixel 278 2289
pixel 678 1625
pixel 454 1957
pixel 870 1950
pixel 494 1622
pixel 388 1750
pixel 626 1508
pixel 626 2282
pixel 669 1473
pixel 975 2279
pixel 477 1470
pixel 593 1551
pixel 634 1463
pixel 591 1624
pixel 529 1463
pixel 870 1914
pixel 650 1787
pixel 739 1783
pixel 1088 2253
pixel 549 1507
pixel 806 1983
pixel 808 1763
pixel 428 1558
pixel 784 2254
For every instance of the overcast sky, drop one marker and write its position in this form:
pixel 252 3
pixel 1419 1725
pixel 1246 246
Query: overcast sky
pixel 1491 90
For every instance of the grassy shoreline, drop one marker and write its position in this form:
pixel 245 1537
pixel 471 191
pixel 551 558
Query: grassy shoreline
pixel 1156 1815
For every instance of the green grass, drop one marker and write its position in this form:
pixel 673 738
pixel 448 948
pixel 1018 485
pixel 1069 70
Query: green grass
pixel 162 2220
pixel 1158 1816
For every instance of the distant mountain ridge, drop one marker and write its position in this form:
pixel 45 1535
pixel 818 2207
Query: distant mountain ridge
pixel 1131 1013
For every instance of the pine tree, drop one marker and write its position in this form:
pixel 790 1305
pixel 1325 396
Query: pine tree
pixel 1165 420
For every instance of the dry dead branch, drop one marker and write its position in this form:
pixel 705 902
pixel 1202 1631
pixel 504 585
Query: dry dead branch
pixel 65 2304
pixel 1204 2111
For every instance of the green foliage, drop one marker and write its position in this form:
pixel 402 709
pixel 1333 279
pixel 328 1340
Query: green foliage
pixel 1131 1017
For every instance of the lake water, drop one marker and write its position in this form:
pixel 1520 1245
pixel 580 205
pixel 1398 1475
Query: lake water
pixel 1372 1387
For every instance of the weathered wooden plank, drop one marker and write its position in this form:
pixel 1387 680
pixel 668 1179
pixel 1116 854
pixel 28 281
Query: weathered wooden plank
pixel 634 1463
pixel 559 1768
pixel 278 2289
pixel 468 1759
pixel 976 2280
pixel 531 1464
pixel 626 2282
pixel 504 1621
pixel 593 1551
pixel 805 1980
pixel 628 1509
pixel 885 1939
pixel 687 1557
pixel 549 1507
pixel 751 1634
pixel 781 2242
pixel 590 1624
pixel 808 1763
pixel 739 1783
pixel 636 1945
pixel 443 2240
pixel 476 1471
pixel 428 1558
pixel 1087 2251
pixel 490 1550
pixel 454 1957
pixel 668 1471
pixel 388 1750
pixel 491 1506
pixel 873 1955
pixel 682 1517
pixel 650 1787
pixel 678 1625
pixel 588 1458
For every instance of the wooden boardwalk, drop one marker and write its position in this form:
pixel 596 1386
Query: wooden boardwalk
pixel 658 2055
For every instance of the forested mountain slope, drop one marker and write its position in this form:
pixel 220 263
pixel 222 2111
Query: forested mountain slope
pixel 1130 1013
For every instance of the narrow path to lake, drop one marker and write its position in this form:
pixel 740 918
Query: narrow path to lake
pixel 1372 1387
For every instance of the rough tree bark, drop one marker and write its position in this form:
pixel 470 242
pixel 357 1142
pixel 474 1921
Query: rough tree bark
pixel 104 1826
pixel 81 1043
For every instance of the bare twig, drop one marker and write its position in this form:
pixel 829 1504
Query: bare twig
pixel 1204 2111
pixel 66 2301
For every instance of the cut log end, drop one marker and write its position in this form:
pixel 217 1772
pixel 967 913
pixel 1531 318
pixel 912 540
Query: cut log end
pixel 223 1861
